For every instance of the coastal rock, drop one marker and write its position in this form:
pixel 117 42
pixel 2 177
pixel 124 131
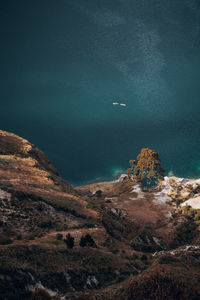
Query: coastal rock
pixel 193 202
pixel 180 189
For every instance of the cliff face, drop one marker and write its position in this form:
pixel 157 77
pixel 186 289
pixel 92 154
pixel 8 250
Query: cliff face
pixel 142 234
pixel 23 156
pixel 33 196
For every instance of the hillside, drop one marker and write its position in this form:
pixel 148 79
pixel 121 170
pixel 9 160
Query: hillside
pixel 33 196
pixel 143 240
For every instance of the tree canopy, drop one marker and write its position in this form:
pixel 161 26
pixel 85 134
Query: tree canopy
pixel 148 168
pixel 87 240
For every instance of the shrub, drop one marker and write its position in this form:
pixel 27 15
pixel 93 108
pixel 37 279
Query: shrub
pixel 197 215
pixel 31 237
pixel 87 240
pixel 144 258
pixel 69 241
pixel 40 207
pixel 19 237
pixel 45 224
pixel 5 241
pixel 65 227
pixel 158 283
pixel 82 242
pixel 59 236
pixel 191 213
pixel 115 251
pixel 184 233
pixel 135 256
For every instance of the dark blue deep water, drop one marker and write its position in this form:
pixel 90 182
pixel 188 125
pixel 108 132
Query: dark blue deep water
pixel 64 62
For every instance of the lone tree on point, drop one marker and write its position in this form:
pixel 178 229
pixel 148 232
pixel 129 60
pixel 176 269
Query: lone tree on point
pixel 148 169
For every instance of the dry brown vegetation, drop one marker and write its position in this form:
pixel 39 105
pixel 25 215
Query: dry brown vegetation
pixel 160 282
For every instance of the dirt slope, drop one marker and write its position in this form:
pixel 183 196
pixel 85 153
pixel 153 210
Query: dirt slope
pixel 33 196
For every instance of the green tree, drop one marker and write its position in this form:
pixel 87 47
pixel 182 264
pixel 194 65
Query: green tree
pixel 87 240
pixel 69 241
pixel 82 242
pixel 148 169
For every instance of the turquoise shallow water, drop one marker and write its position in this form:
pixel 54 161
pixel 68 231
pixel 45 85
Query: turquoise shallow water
pixel 64 64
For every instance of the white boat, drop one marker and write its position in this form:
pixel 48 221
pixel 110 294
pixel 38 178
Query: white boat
pixel 122 104
pixel 115 103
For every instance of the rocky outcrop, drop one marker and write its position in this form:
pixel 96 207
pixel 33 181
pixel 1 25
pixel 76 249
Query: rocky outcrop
pixel 181 189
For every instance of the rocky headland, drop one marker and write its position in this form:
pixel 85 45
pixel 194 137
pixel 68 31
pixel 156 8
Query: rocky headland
pixel 146 243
